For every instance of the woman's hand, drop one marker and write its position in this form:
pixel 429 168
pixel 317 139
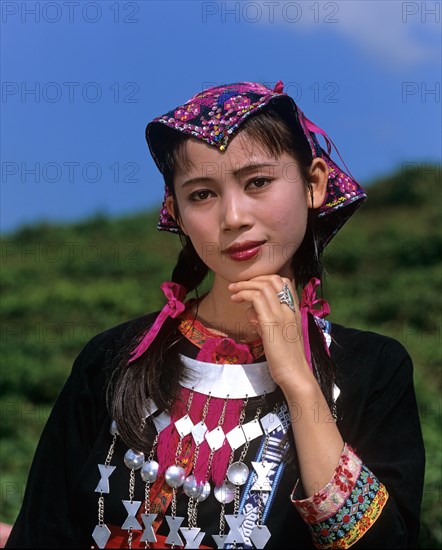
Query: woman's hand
pixel 318 441
pixel 278 326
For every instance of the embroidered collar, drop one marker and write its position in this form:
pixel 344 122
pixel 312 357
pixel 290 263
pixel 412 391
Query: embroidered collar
pixel 216 347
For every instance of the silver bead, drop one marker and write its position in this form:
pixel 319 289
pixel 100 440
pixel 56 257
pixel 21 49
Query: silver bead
pixel 113 428
pixel 192 488
pixel 149 471
pixel 175 476
pixel 133 459
pixel 205 493
pixel 237 473
pixel 225 493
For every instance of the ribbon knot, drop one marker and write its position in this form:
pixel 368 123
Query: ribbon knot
pixel 309 300
pixel 175 295
pixel 317 307
pixel 279 87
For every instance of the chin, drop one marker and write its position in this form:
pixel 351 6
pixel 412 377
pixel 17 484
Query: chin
pixel 251 271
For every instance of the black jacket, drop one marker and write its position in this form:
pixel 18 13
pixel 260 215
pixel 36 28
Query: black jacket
pixel 377 416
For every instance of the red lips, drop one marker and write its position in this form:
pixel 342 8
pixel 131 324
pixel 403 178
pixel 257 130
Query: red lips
pixel 247 245
pixel 244 251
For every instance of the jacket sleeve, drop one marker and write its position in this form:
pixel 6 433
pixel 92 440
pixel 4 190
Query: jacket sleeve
pixel 373 499
pixel 45 516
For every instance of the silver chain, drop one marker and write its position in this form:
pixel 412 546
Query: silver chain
pixel 190 512
pixel 222 521
pixel 192 507
pixel 173 504
pixel 111 451
pixel 101 510
pixel 148 484
pixel 107 462
pixel 131 498
pixel 177 458
pixel 243 455
pixel 154 448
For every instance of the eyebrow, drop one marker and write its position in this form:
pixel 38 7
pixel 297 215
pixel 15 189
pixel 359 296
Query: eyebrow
pixel 240 172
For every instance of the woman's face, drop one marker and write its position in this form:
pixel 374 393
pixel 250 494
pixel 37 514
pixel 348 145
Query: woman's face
pixel 244 210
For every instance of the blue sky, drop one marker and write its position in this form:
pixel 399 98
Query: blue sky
pixel 80 81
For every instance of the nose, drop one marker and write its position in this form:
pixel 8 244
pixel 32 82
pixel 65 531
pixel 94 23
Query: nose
pixel 235 212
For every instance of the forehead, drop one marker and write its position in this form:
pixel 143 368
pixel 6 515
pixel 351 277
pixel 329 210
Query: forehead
pixel 242 149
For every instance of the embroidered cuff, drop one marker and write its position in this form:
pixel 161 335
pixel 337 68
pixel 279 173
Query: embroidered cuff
pixel 346 507
pixel 330 499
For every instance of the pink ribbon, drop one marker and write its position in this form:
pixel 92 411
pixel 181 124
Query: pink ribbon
pixel 311 127
pixel 175 295
pixel 279 87
pixel 316 306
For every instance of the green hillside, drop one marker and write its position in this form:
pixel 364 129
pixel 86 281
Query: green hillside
pixel 61 284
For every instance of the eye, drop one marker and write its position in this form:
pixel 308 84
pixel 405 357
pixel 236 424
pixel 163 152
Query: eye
pixel 259 183
pixel 200 195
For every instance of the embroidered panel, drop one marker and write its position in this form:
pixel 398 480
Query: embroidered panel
pixel 359 512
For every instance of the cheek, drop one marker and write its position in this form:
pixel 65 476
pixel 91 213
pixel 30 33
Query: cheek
pixel 191 222
pixel 293 219
pixel 289 223
pixel 195 222
pixel 289 216
pixel 201 235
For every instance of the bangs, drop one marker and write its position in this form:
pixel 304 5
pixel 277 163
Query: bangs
pixel 268 130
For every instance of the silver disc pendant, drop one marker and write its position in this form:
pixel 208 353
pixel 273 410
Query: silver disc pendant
pixel 205 492
pixel 175 476
pixel 192 488
pixel 149 471
pixel 133 459
pixel 238 473
pixel 225 493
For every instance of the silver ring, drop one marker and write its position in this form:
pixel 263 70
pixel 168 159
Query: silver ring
pixel 285 297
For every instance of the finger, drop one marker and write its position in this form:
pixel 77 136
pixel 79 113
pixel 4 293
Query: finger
pixel 269 286
pixel 251 315
pixel 275 280
pixel 272 317
pixel 264 299
pixel 264 309
pixel 278 329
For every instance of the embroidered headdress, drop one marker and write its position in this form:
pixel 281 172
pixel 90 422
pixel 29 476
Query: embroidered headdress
pixel 216 114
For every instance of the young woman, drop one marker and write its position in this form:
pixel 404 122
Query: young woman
pixel 240 417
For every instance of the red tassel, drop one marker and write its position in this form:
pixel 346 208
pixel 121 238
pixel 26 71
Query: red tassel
pixel 169 437
pixel 221 457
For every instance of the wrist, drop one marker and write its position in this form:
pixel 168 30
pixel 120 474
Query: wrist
pixel 299 383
